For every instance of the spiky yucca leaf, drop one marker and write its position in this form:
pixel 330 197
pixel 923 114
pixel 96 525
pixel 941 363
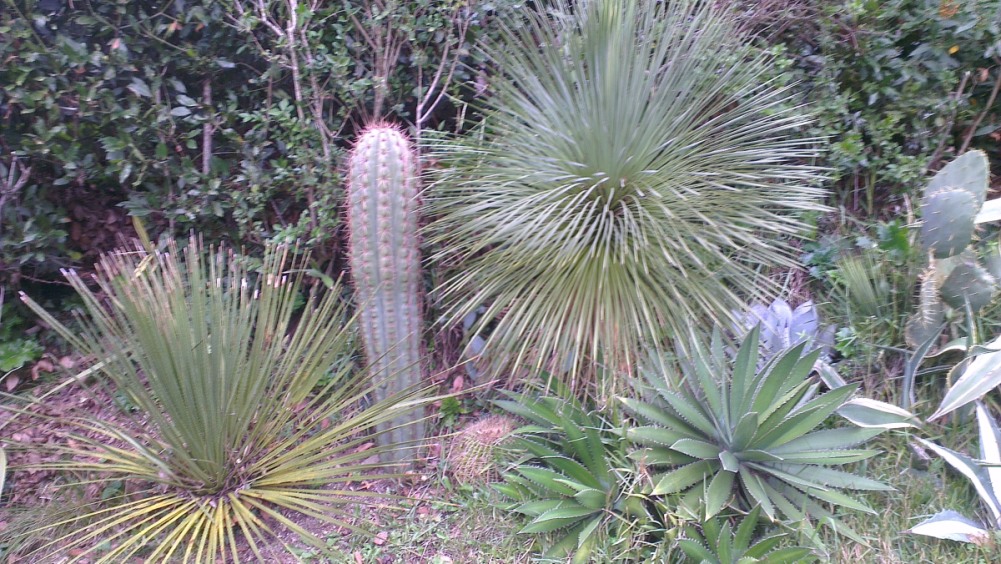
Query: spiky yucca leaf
pixel 733 435
pixel 636 172
pixel 233 428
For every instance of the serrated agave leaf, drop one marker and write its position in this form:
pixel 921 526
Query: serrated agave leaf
pixel 827 439
pixel 696 448
pixel 690 412
pixel 866 412
pixel 588 531
pixel 719 492
pixel 805 418
pixel 656 436
pixel 659 456
pixel 825 457
pixel 980 377
pixel 829 375
pixel 555 520
pixel 951 525
pixel 655 414
pixel 532 410
pixel 538 507
pixel 973 472
pixel 743 432
pixel 729 462
pixel 755 487
pixel 990 448
pixel 696 550
pixel 787 374
pixel 682 478
pixel 546 478
pixel 591 498
pixel 745 530
pixel 573 469
pixel 990 212
pixel 837 498
pixel 743 375
pixel 840 479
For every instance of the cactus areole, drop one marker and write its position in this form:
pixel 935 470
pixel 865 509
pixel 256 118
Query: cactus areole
pixel 385 268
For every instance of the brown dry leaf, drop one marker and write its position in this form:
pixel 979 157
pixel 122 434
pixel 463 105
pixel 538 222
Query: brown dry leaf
pixel 67 362
pixel 11 382
pixel 358 558
pixel 43 365
pixel 380 539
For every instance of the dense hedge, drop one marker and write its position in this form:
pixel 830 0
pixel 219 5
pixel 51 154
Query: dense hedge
pixel 230 117
pixel 226 117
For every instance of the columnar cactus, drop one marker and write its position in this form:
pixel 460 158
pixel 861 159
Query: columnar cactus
pixel 385 267
pixel 949 209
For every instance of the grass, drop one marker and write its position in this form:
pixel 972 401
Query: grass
pixel 923 488
pixel 466 526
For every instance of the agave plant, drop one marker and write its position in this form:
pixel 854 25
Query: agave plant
pixel 234 432
pixel 741 436
pixel 718 543
pixel 637 170
pixel 575 480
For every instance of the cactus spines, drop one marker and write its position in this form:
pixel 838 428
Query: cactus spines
pixel 473 451
pixel 969 282
pixel 927 320
pixel 947 226
pixel 385 267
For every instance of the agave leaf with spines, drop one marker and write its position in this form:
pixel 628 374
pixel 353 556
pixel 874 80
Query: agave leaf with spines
pixel 716 542
pixel 248 409
pixel 738 436
pixel 573 480
pixel 635 171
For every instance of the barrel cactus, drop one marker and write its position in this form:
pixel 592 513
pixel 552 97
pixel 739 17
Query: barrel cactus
pixel 385 267
pixel 951 208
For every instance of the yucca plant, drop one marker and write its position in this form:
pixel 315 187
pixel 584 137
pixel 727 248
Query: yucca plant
pixel 638 168
pixel 733 435
pixel 233 434
pixel 575 481
pixel 718 543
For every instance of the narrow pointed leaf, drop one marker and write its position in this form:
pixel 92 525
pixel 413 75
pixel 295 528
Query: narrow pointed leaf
pixel 950 525
pixel 866 412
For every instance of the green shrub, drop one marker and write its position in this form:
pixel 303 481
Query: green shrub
pixel 197 115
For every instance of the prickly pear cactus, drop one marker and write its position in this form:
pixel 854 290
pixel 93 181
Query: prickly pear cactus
pixel 947 220
pixel 385 267
pixel 969 282
pixel 949 208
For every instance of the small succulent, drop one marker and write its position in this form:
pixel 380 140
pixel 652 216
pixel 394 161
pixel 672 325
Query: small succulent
pixel 574 481
pixel 737 435
pixel 718 543
pixel 473 452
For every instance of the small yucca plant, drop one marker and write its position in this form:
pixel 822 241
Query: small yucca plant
pixel 738 436
pixel 234 433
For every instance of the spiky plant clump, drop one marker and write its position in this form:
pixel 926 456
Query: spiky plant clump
pixel 740 436
pixel 234 434
pixel 719 543
pixel 637 171
pixel 473 452
pixel 385 267
pixel 574 481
